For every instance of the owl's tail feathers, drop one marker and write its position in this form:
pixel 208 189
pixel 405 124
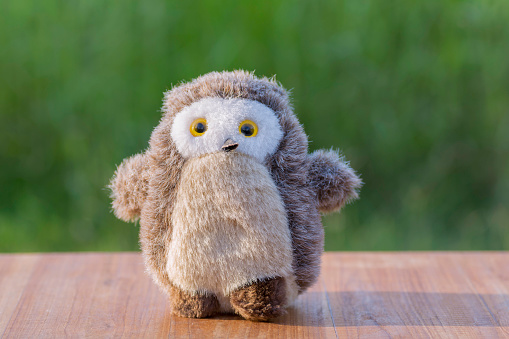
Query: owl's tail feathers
pixel 129 187
pixel 336 183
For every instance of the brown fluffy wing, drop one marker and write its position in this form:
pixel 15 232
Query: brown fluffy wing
pixel 334 180
pixel 129 187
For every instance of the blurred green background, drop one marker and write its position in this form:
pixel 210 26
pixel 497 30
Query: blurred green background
pixel 415 94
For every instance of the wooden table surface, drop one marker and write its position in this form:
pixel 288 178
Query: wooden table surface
pixel 405 294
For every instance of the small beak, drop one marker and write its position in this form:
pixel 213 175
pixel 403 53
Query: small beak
pixel 229 145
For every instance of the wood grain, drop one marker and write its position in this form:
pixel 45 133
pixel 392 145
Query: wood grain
pixel 419 295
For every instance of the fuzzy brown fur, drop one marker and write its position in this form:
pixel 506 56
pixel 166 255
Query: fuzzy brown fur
pixel 335 181
pixel 296 174
pixel 192 305
pixel 260 301
pixel 129 187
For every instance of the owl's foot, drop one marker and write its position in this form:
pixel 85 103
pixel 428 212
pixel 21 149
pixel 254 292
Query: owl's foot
pixel 189 305
pixel 260 301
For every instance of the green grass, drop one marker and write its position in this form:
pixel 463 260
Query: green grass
pixel 415 94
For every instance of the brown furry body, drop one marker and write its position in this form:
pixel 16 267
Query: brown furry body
pixel 145 186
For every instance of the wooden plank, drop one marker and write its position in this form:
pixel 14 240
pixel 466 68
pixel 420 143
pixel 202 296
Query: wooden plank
pixel 358 295
pixel 89 295
pixel 456 295
pixel 15 272
pixel 109 295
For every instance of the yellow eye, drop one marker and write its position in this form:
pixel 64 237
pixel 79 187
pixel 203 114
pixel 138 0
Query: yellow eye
pixel 248 128
pixel 198 127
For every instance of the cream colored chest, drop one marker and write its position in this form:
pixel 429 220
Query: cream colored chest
pixel 229 226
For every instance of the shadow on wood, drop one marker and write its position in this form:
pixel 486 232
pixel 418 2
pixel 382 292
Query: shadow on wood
pixel 366 308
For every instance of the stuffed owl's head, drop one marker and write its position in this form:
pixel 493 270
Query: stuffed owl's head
pixel 213 125
pixel 229 111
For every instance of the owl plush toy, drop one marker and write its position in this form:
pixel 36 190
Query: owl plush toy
pixel 229 199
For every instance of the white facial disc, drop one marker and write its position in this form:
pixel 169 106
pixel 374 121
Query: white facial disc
pixel 223 118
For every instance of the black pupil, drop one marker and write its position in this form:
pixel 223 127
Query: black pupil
pixel 200 128
pixel 247 130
